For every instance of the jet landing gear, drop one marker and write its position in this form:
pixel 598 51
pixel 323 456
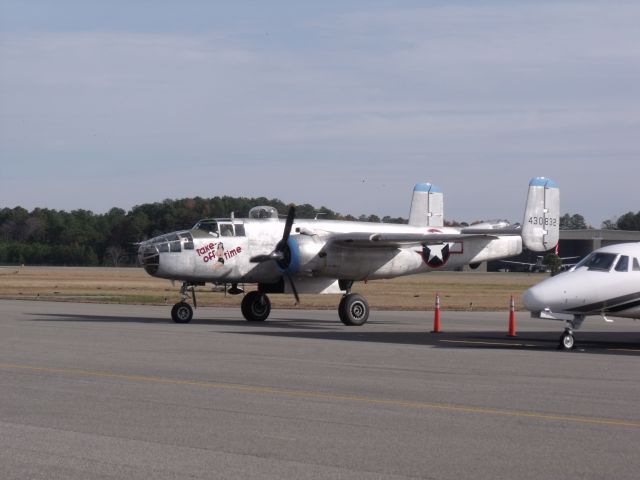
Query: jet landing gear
pixel 566 340
pixel 182 311
pixel 255 306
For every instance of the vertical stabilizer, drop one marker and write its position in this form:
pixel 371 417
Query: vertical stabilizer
pixel 427 206
pixel 541 225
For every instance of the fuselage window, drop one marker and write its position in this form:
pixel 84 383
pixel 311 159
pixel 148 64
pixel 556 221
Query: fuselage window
pixel 623 264
pixel 187 240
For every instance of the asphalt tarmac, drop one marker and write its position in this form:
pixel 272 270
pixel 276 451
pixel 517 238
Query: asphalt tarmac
pixel 120 392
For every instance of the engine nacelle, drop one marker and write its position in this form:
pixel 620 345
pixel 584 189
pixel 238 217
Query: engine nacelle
pixel 300 254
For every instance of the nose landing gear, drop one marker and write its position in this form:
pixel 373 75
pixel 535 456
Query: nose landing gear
pixel 182 311
pixel 566 340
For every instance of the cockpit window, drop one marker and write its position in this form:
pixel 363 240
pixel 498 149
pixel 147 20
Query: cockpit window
pixel 636 265
pixel 226 229
pixel 623 264
pixel 209 226
pixel 239 229
pixel 598 261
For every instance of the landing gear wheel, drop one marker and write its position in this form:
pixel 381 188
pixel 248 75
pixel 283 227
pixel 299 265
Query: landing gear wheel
pixel 255 307
pixel 353 310
pixel 566 340
pixel 182 312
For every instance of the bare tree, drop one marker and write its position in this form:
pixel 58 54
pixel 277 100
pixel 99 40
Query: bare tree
pixel 115 255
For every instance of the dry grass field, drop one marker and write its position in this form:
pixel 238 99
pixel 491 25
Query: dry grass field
pixel 458 290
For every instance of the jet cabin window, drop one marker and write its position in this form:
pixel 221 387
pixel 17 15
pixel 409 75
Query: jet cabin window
pixel 623 264
pixel 598 261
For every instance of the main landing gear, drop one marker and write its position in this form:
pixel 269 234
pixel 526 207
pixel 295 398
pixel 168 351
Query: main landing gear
pixel 255 306
pixel 353 309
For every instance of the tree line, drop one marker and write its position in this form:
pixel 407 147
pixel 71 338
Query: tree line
pixel 53 237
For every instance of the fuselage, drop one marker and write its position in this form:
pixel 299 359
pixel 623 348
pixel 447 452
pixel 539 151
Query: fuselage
pixel 607 282
pixel 218 250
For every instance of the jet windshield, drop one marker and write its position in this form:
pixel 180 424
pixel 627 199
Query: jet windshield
pixel 598 261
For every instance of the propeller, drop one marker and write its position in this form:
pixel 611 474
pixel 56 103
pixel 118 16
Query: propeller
pixel 282 254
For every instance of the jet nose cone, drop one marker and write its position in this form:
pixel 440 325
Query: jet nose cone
pixel 533 299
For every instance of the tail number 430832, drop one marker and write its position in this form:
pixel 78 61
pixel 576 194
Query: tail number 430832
pixel 545 221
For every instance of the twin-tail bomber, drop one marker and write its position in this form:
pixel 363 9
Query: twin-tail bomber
pixel 328 256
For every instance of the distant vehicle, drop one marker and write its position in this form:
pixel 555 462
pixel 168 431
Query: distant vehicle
pixel 606 283
pixel 325 256
pixel 539 265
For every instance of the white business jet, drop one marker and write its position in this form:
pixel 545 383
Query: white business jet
pixel 606 283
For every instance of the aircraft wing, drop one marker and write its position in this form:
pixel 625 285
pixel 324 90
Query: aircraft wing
pixel 387 240
pixel 520 263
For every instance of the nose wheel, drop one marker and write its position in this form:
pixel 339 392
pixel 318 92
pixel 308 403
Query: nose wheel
pixel 182 311
pixel 566 340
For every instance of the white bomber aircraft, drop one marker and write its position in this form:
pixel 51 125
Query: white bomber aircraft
pixel 606 283
pixel 328 256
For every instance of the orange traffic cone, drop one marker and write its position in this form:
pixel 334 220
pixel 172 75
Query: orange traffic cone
pixel 512 318
pixel 436 316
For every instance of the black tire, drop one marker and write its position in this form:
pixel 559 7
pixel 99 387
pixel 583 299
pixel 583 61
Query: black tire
pixel 255 307
pixel 353 310
pixel 182 312
pixel 567 341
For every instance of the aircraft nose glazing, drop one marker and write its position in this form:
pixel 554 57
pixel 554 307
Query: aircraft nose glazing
pixel 149 257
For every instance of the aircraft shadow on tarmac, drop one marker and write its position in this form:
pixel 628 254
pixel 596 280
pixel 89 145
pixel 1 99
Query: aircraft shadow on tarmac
pixel 282 324
pixel 588 342
pixel 620 343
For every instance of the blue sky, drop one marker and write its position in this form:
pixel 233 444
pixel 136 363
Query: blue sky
pixel 341 104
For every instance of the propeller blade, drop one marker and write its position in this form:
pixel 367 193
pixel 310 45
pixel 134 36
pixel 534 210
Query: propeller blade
pixel 275 255
pixel 295 290
pixel 278 253
pixel 289 223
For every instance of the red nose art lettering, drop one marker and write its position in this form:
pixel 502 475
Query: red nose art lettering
pixel 216 251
